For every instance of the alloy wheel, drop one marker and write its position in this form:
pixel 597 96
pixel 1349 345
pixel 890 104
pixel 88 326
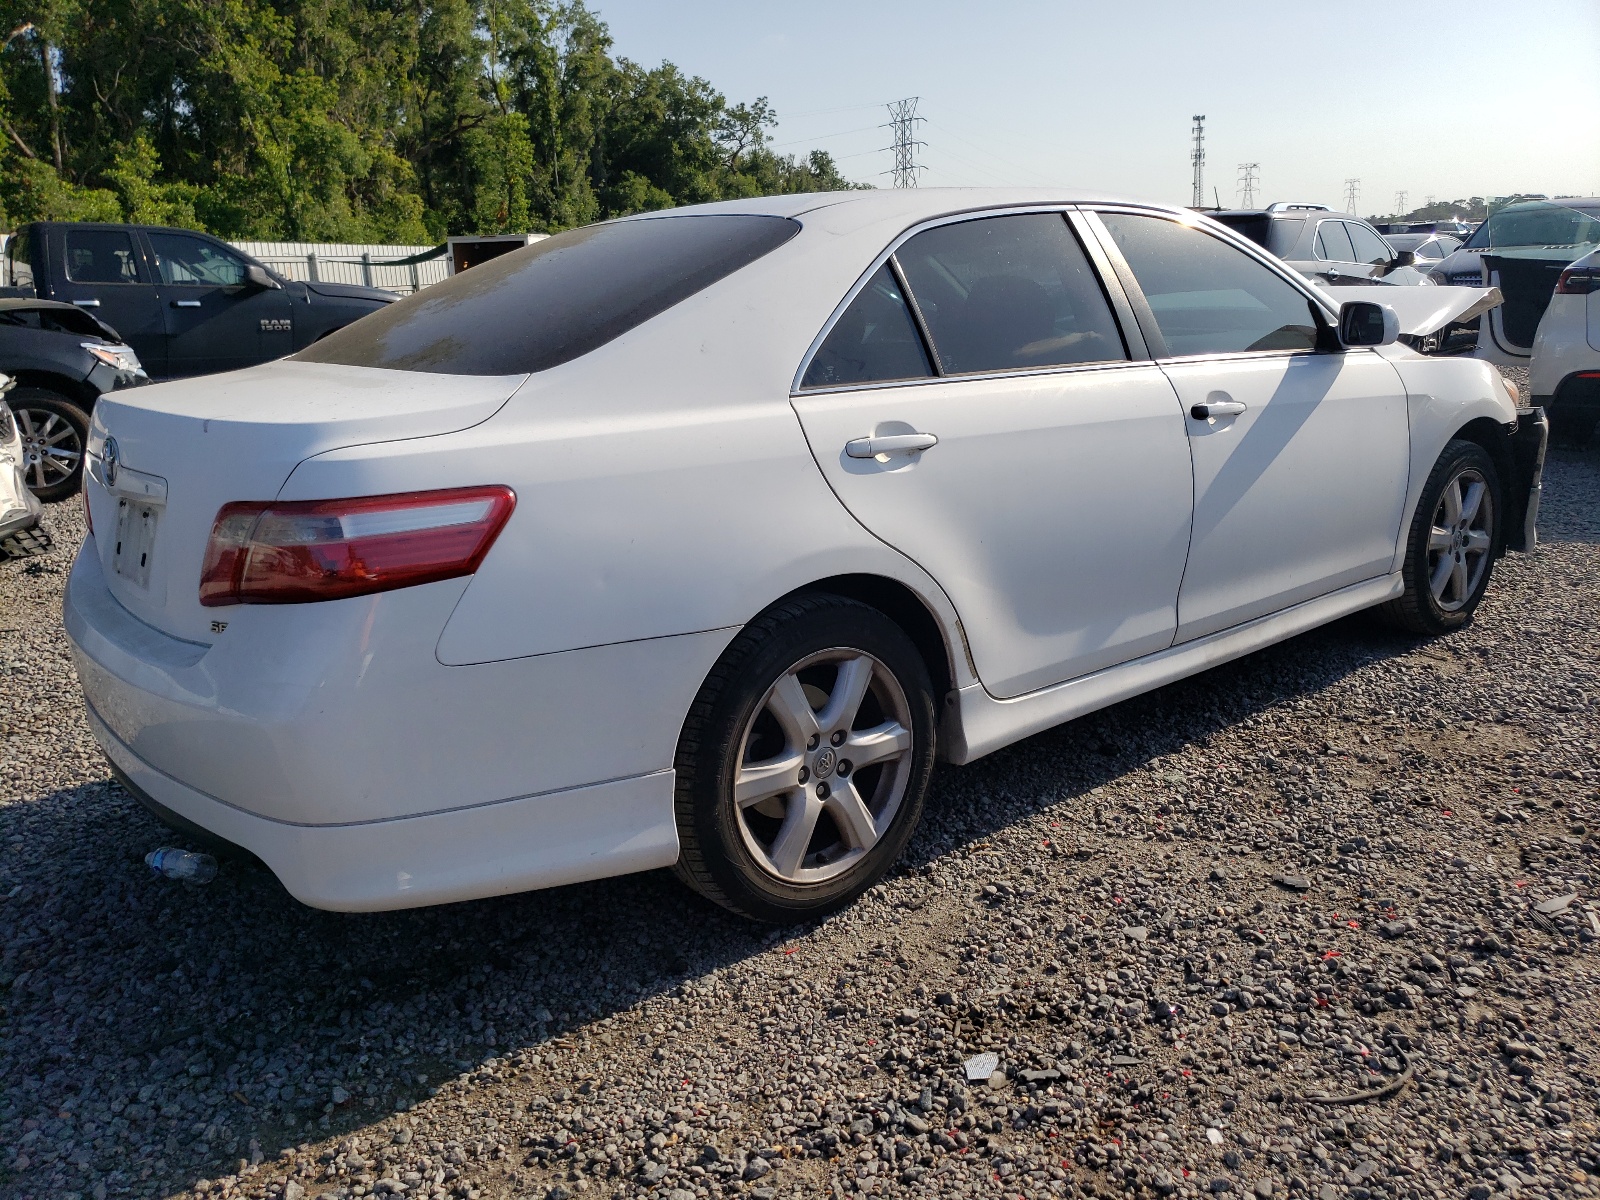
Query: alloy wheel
pixel 51 447
pixel 1460 541
pixel 823 767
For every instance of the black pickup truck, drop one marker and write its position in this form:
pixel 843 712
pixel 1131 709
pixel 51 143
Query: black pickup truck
pixel 184 302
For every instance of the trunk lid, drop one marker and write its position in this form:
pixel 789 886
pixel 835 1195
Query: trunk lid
pixel 184 449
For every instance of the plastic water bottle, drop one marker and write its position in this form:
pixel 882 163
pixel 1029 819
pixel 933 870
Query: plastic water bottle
pixel 172 863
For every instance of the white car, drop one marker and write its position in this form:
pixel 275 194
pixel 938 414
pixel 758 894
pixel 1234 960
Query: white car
pixel 20 509
pixel 693 539
pixel 1565 372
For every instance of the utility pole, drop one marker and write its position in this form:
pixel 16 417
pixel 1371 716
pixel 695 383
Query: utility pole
pixel 1352 193
pixel 1197 157
pixel 1400 208
pixel 903 121
pixel 1249 176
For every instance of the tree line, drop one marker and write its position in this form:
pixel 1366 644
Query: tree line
pixel 397 121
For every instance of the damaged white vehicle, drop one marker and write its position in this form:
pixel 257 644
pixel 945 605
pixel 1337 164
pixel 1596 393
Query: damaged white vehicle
pixel 20 509
pixel 694 539
pixel 1426 315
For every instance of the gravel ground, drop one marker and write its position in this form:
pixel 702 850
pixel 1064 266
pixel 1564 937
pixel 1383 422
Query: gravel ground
pixel 1185 928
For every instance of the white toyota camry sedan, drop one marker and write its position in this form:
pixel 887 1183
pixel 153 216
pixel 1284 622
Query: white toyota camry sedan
pixel 694 539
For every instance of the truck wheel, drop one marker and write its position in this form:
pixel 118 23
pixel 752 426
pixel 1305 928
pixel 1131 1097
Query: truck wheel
pixel 54 433
pixel 1455 537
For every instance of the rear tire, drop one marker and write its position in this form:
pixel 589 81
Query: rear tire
pixel 55 432
pixel 804 760
pixel 1456 535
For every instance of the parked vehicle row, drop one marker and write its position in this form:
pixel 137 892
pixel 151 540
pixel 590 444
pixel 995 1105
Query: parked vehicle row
pixel 153 303
pixel 693 539
pixel 1326 246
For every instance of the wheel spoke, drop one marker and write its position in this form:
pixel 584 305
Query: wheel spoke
pixel 1458 576
pixel 25 419
pixel 38 472
pixel 1477 542
pixel 852 816
pixel 1441 576
pixel 1452 502
pixel 66 432
pixel 855 675
pixel 1474 498
pixel 759 780
pixel 878 744
pixel 1439 539
pixel 50 423
pixel 793 711
pixel 799 823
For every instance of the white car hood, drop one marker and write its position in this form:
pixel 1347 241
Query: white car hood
pixel 1423 310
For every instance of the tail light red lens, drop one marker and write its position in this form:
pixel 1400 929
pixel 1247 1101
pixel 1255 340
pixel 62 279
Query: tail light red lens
pixel 303 551
pixel 1578 281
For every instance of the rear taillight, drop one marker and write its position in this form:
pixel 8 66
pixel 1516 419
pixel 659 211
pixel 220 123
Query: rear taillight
pixel 1578 281
pixel 301 551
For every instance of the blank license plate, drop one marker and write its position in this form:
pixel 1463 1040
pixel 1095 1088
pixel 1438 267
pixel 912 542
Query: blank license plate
pixel 136 541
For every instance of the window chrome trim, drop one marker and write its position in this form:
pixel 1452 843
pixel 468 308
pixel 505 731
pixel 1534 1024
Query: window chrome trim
pixel 1115 364
pixel 1064 210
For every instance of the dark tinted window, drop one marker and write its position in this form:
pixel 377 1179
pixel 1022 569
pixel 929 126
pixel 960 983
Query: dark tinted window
pixel 1430 250
pixel 1285 235
pixel 192 261
pixel 52 320
pixel 1255 226
pixel 1333 243
pixel 1207 296
pixel 1009 293
pixel 101 256
pixel 876 339
pixel 1368 245
pixel 555 300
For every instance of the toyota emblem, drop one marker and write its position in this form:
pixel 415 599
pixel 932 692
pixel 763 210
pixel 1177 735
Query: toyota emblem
pixel 110 457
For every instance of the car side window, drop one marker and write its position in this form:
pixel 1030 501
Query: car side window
pixel 1369 247
pixel 1333 243
pixel 1430 250
pixel 875 340
pixel 195 262
pixel 101 256
pixel 1207 296
pixel 19 260
pixel 1008 294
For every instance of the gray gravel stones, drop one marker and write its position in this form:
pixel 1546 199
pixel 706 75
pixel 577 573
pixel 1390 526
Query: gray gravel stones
pixel 621 1039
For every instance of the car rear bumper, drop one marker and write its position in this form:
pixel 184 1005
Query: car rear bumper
pixel 514 845
pixel 1528 443
pixel 328 740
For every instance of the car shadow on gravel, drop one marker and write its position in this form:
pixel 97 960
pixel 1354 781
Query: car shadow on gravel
pixel 228 1018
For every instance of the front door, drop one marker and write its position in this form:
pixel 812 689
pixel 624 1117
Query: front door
pixel 102 271
pixel 1301 458
pixel 1051 496
pixel 216 320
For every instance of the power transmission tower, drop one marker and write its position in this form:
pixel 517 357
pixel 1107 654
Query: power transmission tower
pixel 1197 157
pixel 903 121
pixel 1400 208
pixel 1352 193
pixel 1249 176
pixel 1432 197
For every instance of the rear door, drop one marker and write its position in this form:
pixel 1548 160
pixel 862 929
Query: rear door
pixel 1051 496
pixel 216 320
pixel 103 270
pixel 1337 254
pixel 1301 458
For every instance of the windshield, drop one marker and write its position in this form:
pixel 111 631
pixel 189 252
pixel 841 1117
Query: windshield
pixel 555 300
pixel 1537 224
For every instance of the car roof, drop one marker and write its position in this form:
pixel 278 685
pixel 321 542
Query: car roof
pixel 911 205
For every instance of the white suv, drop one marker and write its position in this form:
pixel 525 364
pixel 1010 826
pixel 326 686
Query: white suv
pixel 1565 373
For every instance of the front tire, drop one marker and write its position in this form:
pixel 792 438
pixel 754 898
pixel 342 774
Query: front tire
pixel 55 432
pixel 1455 538
pixel 804 761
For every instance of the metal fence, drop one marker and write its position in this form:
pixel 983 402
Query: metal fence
pixel 331 262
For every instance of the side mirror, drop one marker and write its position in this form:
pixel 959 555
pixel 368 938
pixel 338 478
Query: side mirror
pixel 1362 323
pixel 1404 258
pixel 256 276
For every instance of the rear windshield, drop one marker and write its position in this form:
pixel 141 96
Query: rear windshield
pixel 1536 224
pixel 1277 236
pixel 555 300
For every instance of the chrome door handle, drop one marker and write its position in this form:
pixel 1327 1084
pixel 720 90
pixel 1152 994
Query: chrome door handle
pixel 87 303
pixel 186 304
pixel 894 443
pixel 1216 408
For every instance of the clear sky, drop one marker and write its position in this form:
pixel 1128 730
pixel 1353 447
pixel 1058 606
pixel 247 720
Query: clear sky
pixel 1480 97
